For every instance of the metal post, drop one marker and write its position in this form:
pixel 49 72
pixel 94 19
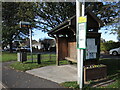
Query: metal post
pixel 39 58
pixel 80 52
pixel 30 31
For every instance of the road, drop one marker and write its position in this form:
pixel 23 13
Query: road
pixel 109 56
pixel 17 79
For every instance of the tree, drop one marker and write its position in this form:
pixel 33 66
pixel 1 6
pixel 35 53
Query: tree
pixel 12 14
pixel 47 43
pixel 106 46
pixel 51 14
pixel 47 15
pixel 109 13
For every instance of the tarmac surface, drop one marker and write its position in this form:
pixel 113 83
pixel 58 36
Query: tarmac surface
pixel 17 79
pixel 58 74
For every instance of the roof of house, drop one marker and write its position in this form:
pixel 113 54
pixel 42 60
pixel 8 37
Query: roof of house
pixel 37 44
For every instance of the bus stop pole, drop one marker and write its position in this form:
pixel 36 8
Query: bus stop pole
pixel 30 31
pixel 80 52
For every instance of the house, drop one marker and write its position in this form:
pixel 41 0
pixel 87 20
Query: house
pixel 65 36
pixel 38 45
pixel 48 44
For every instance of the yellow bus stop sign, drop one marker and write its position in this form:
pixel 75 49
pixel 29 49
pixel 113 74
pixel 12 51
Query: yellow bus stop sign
pixel 82 19
pixel 81 32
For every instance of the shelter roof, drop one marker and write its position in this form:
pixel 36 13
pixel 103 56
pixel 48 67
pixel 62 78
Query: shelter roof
pixel 68 22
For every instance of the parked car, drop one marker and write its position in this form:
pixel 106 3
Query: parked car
pixel 8 49
pixel 115 51
pixel 26 47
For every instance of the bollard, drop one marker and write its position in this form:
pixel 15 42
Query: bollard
pixel 39 58
pixel 18 57
pixel 24 56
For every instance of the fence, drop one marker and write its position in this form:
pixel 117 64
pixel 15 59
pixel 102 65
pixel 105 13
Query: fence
pixel 43 56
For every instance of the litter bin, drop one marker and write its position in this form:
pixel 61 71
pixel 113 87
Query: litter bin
pixel 22 56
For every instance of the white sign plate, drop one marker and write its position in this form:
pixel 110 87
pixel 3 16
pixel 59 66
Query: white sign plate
pixel 82 36
pixel 91 49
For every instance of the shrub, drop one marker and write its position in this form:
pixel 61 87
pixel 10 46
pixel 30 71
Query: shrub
pixel 106 46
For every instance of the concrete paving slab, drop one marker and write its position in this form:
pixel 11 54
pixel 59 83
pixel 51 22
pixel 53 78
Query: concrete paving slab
pixel 58 74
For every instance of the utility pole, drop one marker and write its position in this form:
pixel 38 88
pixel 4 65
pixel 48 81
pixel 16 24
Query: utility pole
pixel 30 31
pixel 80 52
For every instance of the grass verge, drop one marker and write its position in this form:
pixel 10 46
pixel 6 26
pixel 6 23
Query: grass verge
pixel 72 85
pixel 6 56
pixel 28 65
pixel 113 71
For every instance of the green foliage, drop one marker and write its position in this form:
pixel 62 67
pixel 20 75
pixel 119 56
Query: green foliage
pixel 106 46
pixel 24 66
pixel 51 14
pixel 73 85
pixel 112 65
pixel 9 57
pixel 112 72
pixel 12 14
pixel 28 65
pixel 109 13
pixel 47 15
pixel 6 56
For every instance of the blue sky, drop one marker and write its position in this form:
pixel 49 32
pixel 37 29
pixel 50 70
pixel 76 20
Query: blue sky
pixel 41 35
pixel 107 36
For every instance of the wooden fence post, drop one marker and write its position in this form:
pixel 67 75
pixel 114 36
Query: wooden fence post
pixel 39 58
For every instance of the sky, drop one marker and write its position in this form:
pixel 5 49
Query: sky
pixel 107 36
pixel 39 35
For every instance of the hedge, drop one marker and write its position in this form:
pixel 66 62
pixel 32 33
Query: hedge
pixel 109 45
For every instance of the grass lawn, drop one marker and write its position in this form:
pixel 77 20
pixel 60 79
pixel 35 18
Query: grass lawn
pixel 113 70
pixel 45 61
pixel 6 56
pixel 28 65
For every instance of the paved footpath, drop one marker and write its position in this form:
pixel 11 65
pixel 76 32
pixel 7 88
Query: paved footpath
pixel 17 79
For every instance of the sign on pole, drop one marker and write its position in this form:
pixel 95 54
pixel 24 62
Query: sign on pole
pixel 27 25
pixel 81 40
pixel 81 32
pixel 24 24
